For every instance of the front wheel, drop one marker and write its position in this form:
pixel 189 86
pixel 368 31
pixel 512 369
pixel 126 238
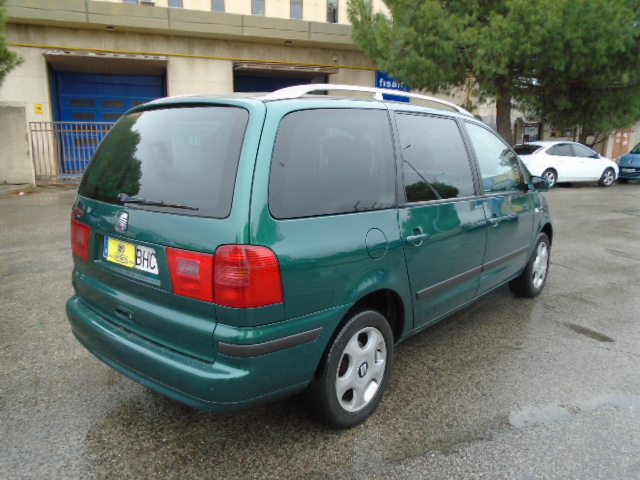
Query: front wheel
pixel 534 276
pixel 607 178
pixel 550 176
pixel 355 371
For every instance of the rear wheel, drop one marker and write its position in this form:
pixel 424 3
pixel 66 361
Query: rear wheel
pixel 534 276
pixel 551 176
pixel 355 371
pixel 607 178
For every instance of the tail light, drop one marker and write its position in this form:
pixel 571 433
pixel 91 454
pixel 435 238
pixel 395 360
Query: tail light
pixel 247 276
pixel 191 273
pixel 238 276
pixel 80 238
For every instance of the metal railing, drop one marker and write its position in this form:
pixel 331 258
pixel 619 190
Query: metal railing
pixel 61 151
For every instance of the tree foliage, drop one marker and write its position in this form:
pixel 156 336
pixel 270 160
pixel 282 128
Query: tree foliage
pixel 567 61
pixel 8 59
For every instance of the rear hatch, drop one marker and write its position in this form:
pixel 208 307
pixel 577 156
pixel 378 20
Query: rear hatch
pixel 158 198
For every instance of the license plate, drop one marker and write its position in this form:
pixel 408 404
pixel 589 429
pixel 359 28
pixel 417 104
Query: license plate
pixel 628 170
pixel 131 255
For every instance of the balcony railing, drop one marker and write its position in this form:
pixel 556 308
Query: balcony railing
pixel 61 151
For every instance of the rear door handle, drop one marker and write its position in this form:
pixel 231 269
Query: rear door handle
pixel 417 239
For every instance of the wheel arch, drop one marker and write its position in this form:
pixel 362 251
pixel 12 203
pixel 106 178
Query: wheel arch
pixel 386 302
pixel 547 228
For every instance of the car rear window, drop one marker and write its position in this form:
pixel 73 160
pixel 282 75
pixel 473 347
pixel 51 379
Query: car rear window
pixel 178 160
pixel 527 149
pixel 332 161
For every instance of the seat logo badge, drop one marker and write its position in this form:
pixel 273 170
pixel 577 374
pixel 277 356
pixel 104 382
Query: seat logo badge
pixel 123 221
pixel 362 371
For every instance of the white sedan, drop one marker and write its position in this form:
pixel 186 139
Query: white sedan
pixel 567 162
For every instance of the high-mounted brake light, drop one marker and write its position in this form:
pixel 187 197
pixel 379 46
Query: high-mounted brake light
pixel 191 273
pixel 247 276
pixel 80 238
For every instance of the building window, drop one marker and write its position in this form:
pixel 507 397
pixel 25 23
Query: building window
pixel 217 5
pixel 296 9
pixel 257 7
pixel 175 3
pixel 332 11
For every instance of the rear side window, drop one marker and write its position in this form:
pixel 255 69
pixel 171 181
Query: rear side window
pixel 582 151
pixel 179 160
pixel 435 164
pixel 332 161
pixel 563 150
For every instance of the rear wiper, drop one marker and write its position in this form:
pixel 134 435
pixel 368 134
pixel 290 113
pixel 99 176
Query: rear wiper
pixel 124 198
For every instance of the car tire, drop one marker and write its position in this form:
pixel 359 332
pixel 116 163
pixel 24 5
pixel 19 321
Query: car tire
pixel 355 371
pixel 551 176
pixel 534 276
pixel 608 178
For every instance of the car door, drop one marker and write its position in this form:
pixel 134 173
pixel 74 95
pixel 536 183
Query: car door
pixel 589 165
pixel 508 208
pixel 442 221
pixel 563 160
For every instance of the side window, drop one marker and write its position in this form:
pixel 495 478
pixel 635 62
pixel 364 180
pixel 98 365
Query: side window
pixel 332 161
pixel 582 151
pixel 498 164
pixel 435 165
pixel 563 150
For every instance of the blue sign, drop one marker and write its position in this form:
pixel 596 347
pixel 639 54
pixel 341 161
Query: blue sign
pixel 384 80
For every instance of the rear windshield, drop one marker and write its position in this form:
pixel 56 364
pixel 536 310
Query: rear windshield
pixel 527 149
pixel 177 160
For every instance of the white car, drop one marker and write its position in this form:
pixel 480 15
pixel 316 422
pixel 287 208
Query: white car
pixel 567 162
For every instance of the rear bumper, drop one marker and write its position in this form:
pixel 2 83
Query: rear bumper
pixel 230 382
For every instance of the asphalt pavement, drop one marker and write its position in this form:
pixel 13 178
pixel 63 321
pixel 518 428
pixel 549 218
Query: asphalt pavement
pixel 509 388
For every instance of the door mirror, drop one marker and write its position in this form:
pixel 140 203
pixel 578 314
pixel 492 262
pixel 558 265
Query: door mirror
pixel 538 184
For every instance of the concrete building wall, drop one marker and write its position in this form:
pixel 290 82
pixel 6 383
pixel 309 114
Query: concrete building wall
pixel 15 162
pixel 193 65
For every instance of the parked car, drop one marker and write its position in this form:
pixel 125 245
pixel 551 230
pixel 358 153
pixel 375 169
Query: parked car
pixel 630 165
pixel 567 162
pixel 230 250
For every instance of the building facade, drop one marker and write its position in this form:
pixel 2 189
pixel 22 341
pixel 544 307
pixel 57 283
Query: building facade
pixel 86 62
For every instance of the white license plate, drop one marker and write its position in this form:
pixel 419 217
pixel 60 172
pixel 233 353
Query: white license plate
pixel 628 170
pixel 131 255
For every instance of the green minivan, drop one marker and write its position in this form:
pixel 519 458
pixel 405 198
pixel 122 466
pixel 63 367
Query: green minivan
pixel 234 249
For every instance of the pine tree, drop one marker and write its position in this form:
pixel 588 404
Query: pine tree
pixel 8 59
pixel 569 62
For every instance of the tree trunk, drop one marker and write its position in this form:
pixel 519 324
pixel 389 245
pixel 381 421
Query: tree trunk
pixel 582 138
pixel 503 115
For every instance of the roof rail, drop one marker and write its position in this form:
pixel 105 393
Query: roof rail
pixel 300 90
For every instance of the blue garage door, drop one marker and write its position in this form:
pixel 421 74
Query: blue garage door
pixel 84 99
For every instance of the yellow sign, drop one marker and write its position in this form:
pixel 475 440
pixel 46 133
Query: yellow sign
pixel 39 109
pixel 120 252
